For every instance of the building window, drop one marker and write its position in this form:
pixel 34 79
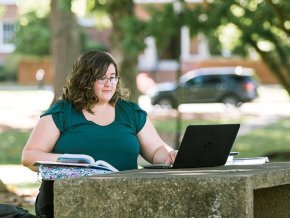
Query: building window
pixel 8 33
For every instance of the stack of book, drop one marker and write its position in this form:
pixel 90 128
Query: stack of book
pixel 233 160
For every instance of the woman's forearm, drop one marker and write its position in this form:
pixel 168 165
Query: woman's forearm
pixel 30 156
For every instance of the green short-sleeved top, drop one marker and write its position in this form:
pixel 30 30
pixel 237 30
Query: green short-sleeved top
pixel 116 143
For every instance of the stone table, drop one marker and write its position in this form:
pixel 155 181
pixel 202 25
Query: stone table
pixel 225 191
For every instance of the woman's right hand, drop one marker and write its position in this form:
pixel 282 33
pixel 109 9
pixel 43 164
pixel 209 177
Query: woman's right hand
pixel 171 157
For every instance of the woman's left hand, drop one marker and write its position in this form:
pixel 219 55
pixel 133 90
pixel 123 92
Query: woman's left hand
pixel 171 157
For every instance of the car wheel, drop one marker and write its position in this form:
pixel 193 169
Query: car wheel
pixel 165 103
pixel 231 100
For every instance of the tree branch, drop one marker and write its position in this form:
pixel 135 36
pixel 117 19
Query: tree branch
pixel 280 14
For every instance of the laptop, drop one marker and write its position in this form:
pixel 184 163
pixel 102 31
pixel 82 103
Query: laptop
pixel 203 146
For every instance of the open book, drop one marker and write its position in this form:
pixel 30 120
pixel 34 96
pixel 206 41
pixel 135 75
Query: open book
pixel 73 166
pixel 78 160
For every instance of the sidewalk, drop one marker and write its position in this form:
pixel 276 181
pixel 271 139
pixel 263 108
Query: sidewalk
pixel 20 180
pixel 21 106
pixel 22 174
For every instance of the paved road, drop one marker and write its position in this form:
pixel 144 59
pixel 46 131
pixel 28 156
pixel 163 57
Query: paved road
pixel 273 103
pixel 20 106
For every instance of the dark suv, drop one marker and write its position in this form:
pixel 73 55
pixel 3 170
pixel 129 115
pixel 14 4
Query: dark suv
pixel 229 85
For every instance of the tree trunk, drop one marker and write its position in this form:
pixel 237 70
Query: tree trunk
pixel 65 43
pixel 277 61
pixel 127 63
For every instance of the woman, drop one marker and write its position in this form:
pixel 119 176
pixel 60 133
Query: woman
pixel 93 118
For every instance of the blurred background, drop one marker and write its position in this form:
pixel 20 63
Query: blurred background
pixel 185 62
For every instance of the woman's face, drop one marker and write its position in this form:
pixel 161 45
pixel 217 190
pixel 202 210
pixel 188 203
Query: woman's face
pixel 104 87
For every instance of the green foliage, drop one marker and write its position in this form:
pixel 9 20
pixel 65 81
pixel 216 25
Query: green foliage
pixel 88 45
pixel 136 30
pixel 65 6
pixel 6 74
pixel 93 45
pixel 262 25
pixel 164 26
pixel 33 35
pixel 130 30
pixel 108 5
pixel 215 46
pixel 8 71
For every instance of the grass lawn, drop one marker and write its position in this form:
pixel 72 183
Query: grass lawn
pixel 11 145
pixel 274 138
pixel 272 141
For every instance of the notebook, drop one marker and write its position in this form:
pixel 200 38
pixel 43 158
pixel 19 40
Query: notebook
pixel 203 146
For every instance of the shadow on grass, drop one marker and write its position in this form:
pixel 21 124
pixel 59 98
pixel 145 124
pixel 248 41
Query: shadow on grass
pixel 279 156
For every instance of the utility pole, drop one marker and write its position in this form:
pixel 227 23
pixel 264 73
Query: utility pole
pixel 178 7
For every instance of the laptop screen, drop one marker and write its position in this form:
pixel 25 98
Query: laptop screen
pixel 206 145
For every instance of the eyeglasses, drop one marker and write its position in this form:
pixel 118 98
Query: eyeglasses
pixel 113 80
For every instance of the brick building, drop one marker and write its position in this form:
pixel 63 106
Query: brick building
pixel 8 19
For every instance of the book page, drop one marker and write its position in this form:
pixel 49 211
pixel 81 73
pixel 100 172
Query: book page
pixel 105 164
pixel 76 158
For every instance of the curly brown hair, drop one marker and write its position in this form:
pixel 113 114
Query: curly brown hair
pixel 88 68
